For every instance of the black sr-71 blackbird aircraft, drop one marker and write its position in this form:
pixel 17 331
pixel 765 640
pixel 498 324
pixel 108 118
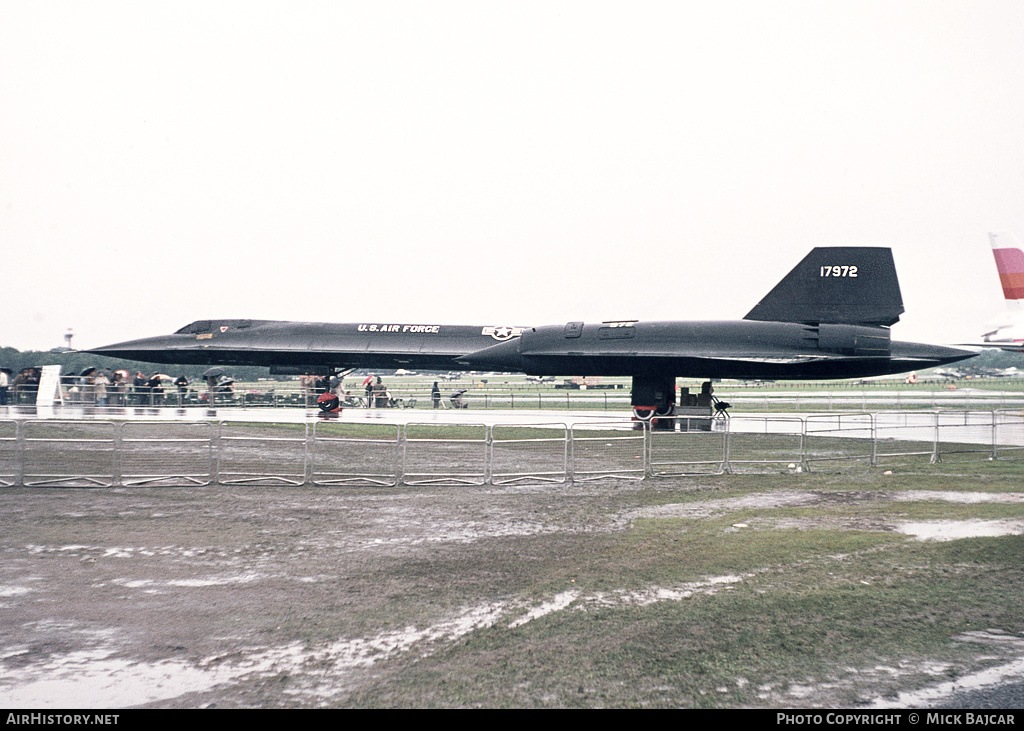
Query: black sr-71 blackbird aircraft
pixel 828 318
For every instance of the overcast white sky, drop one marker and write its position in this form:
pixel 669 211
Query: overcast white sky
pixel 495 162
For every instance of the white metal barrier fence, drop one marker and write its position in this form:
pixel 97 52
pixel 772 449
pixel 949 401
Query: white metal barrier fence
pixel 973 395
pixel 103 453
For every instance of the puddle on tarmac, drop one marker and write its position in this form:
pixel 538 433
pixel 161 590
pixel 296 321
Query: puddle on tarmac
pixel 951 530
pixel 951 496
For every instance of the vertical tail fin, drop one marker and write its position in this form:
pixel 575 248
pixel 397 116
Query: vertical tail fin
pixel 1009 263
pixel 852 285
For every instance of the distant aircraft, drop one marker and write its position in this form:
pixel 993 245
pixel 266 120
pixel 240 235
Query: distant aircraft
pixel 828 318
pixel 1008 333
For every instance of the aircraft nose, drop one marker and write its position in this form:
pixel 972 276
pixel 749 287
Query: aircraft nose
pixel 135 349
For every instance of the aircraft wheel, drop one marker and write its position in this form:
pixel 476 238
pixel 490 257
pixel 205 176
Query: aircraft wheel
pixel 328 402
pixel 643 413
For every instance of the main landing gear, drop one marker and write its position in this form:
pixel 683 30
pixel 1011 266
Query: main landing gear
pixel 653 396
pixel 654 402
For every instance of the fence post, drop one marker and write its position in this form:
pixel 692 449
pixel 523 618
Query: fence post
pixel 19 454
pixel 647 447
pixel 216 446
pixel 488 453
pixel 309 443
pixel 726 467
pixel 804 464
pixel 995 435
pixel 874 440
pixel 570 447
pixel 936 457
pixel 118 453
pixel 403 447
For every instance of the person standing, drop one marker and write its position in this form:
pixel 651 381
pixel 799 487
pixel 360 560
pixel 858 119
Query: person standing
pixel 156 390
pixel 140 389
pixel 99 384
pixel 380 394
pixel 182 383
pixel 119 388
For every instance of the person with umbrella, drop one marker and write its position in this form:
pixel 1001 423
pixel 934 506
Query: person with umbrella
pixel 82 389
pixel 212 376
pixel 182 383
pixel 156 387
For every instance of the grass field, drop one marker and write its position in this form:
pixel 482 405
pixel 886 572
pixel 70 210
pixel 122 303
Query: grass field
pixel 817 598
pixel 771 590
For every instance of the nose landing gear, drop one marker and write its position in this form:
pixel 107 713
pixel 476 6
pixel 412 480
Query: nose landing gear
pixel 329 402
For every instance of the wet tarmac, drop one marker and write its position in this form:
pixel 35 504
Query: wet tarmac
pixel 305 416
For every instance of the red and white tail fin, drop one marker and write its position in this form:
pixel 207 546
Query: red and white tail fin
pixel 1010 264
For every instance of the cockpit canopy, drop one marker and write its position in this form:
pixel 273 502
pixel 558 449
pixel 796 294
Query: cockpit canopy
pixel 208 326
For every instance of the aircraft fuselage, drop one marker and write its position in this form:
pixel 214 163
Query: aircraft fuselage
pixel 702 349
pixel 828 318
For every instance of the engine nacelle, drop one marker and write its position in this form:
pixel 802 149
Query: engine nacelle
pixel 855 340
